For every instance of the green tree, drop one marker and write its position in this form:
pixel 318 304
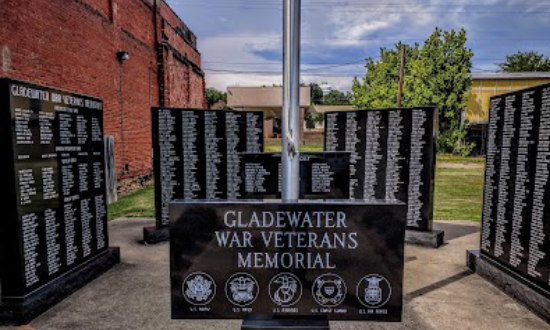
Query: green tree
pixel 213 96
pixel 525 62
pixel 442 77
pixel 312 118
pixel 438 73
pixel 335 97
pixel 316 94
pixel 378 88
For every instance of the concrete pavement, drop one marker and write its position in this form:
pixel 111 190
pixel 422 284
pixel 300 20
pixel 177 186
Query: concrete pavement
pixel 440 292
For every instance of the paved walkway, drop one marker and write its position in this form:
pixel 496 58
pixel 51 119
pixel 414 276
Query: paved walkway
pixel 441 293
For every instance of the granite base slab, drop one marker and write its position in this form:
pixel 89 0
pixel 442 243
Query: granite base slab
pixel 433 238
pixel 256 322
pixel 154 235
pixel 534 300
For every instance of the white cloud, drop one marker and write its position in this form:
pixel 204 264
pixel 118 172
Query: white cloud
pixel 237 48
pixel 222 81
pixel 351 27
pixel 349 31
pixel 240 49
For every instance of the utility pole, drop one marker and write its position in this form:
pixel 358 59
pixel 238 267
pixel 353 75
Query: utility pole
pixel 291 101
pixel 401 77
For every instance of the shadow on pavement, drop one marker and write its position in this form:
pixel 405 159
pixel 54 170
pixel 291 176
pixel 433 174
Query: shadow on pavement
pixel 437 285
pixel 453 231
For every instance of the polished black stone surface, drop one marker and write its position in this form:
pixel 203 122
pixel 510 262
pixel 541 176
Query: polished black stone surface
pixel 340 260
pixel 471 259
pixel 516 215
pixel 155 235
pixel 322 175
pixel 196 154
pixel 432 238
pixel 278 323
pixel 54 204
pixel 392 156
pixel 17 311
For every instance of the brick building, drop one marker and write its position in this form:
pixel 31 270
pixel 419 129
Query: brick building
pixel 78 45
pixel 485 86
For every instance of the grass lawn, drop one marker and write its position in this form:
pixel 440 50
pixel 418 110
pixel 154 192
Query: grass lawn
pixel 276 147
pixel 446 158
pixel 458 190
pixel 140 204
pixel 458 193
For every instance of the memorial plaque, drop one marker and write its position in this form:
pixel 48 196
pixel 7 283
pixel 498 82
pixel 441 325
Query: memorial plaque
pixel 322 175
pixel 54 201
pixel 196 154
pixel 340 260
pixel 392 156
pixel 516 218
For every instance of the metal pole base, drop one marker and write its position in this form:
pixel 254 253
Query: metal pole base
pixel 273 322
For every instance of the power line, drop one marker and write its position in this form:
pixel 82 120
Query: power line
pixel 380 8
pixel 324 65
pixel 215 71
pixel 330 3
pixel 396 39
pixel 336 2
pixel 307 71
pixel 335 64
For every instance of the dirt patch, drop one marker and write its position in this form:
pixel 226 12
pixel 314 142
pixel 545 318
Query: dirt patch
pixel 129 185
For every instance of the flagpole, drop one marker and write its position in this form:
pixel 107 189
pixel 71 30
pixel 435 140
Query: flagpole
pixel 291 101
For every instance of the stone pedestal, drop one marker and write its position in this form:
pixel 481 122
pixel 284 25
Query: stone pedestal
pixel 535 300
pixel 154 235
pixel 433 238
pixel 21 310
pixel 471 259
pixel 255 322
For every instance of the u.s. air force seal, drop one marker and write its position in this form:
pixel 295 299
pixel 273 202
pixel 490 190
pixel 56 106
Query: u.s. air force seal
pixel 373 291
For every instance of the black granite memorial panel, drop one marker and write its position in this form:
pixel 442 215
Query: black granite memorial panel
pixel 196 154
pixel 261 175
pixel 215 155
pixel 322 175
pixel 516 227
pixel 236 129
pixel 392 156
pixel 55 214
pixel 193 142
pixel 340 260
pixel 492 166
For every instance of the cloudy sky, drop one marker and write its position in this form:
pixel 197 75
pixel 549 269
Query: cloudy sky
pixel 241 40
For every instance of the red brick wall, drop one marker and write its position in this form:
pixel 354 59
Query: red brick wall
pixel 181 80
pixel 177 81
pixel 102 6
pixel 72 45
